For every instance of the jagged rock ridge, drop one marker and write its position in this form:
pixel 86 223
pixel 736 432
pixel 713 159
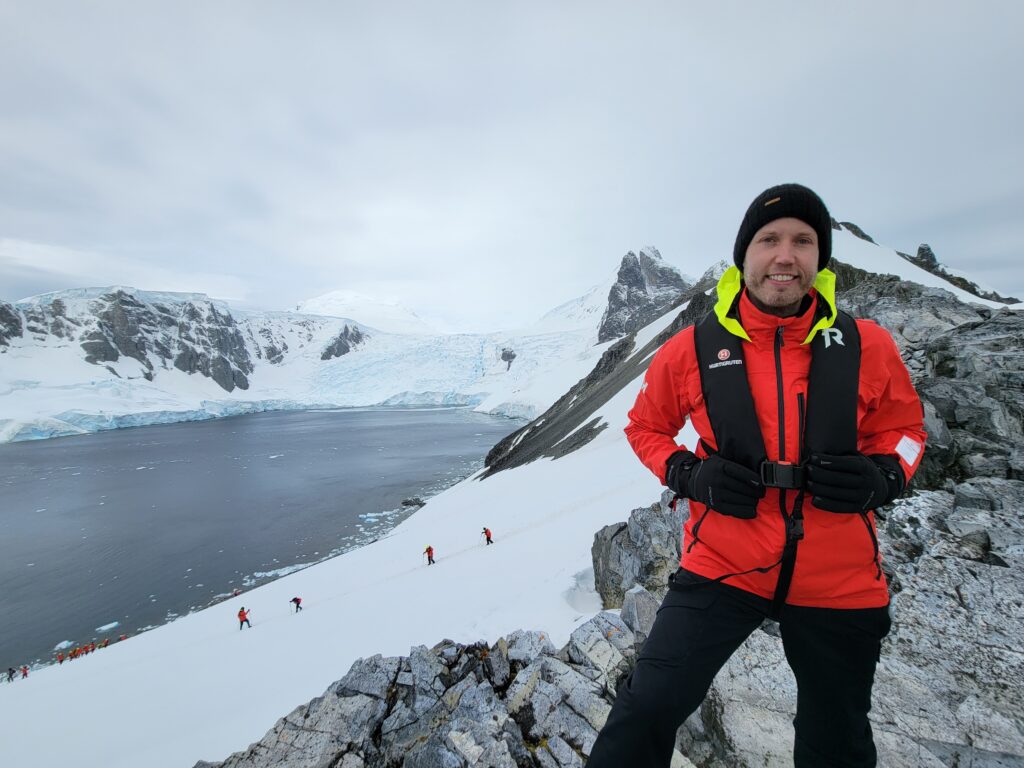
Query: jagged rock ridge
pixel 188 332
pixel 646 287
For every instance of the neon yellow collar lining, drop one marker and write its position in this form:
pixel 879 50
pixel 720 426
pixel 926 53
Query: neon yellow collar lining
pixel 731 283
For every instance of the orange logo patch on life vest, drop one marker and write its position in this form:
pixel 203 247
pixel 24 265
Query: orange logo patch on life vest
pixel 723 354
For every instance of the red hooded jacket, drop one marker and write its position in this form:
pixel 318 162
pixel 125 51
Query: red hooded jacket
pixel 835 561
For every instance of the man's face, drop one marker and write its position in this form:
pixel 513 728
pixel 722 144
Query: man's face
pixel 780 265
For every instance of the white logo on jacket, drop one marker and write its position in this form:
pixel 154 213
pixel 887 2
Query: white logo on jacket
pixel 832 334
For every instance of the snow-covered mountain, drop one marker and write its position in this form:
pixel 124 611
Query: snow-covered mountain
pixel 200 689
pixel 389 317
pixel 99 358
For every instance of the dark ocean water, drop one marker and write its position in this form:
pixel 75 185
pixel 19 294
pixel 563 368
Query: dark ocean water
pixel 137 526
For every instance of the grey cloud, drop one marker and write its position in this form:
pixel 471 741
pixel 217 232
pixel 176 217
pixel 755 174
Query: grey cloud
pixel 480 152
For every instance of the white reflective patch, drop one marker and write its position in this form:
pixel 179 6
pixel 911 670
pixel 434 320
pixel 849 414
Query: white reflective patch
pixel 908 449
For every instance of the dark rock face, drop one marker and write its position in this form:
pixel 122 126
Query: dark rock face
pixel 194 336
pixel 855 230
pixel 10 324
pixel 646 288
pixel 507 356
pixel 343 343
pixel 925 258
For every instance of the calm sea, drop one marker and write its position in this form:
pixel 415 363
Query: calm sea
pixel 110 533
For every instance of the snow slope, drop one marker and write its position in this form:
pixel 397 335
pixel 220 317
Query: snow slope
pixel 199 688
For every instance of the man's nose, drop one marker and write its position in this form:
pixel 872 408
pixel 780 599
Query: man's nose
pixel 786 252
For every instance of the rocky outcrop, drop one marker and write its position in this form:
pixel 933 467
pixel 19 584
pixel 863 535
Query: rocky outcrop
pixel 949 689
pixel 507 356
pixel 925 258
pixel 161 332
pixel 343 343
pixel 10 324
pixel 644 550
pixel 515 704
pixel 855 230
pixel 645 289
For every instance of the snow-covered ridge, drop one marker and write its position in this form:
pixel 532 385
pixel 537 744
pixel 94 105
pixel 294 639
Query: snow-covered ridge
pixel 389 317
pixel 100 358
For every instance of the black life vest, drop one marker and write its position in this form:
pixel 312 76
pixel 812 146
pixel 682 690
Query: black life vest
pixel 828 420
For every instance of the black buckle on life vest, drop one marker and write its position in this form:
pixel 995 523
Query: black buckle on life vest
pixel 782 474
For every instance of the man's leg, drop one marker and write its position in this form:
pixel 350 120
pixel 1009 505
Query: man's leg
pixel 833 654
pixel 698 627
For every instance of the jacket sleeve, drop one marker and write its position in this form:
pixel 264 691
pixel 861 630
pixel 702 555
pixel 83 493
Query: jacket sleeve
pixel 893 421
pixel 661 408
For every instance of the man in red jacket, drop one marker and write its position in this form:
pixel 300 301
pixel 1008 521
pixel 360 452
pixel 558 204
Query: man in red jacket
pixel 807 422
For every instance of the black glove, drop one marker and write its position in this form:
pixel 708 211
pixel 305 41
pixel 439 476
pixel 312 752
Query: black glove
pixel 853 483
pixel 718 483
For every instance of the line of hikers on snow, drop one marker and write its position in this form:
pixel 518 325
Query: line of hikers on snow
pixel 243 614
pixel 429 551
pixel 61 657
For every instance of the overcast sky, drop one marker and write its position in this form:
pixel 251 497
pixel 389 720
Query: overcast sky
pixel 482 162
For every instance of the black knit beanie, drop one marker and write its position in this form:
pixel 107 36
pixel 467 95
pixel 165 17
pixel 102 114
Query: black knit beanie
pixel 781 202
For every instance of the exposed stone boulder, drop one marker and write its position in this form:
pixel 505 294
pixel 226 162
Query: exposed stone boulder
pixel 646 288
pixel 645 551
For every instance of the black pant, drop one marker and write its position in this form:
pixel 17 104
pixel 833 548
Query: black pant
pixel 700 624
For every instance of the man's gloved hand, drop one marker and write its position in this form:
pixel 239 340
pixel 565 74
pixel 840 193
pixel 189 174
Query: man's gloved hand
pixel 854 483
pixel 718 483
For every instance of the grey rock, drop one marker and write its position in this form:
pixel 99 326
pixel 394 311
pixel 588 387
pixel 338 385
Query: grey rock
pixel 606 644
pixel 372 677
pixel 11 325
pixel 497 664
pixel 645 550
pixel 525 646
pixel 645 289
pixel 563 755
pixel 639 609
pixel 343 343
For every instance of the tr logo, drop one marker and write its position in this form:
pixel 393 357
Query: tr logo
pixel 832 334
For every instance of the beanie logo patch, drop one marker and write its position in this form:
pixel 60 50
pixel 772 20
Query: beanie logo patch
pixel 772 201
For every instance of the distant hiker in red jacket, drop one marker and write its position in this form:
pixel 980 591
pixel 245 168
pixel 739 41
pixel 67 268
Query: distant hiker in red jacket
pixel 24 672
pixel 429 552
pixel 60 657
pixel 243 618
pixel 298 603
pixel 487 535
